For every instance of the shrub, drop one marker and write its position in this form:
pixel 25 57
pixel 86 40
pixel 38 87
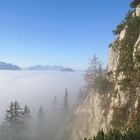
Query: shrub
pixel 115 134
pixel 102 85
pixel 134 3
pixel 110 45
pixel 119 117
pixel 119 28
pixel 126 63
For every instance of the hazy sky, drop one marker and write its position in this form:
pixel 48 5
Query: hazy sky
pixel 62 32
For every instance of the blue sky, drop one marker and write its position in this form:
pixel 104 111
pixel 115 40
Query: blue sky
pixel 61 32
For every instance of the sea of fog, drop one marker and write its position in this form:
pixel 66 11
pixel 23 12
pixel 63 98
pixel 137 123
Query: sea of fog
pixel 38 88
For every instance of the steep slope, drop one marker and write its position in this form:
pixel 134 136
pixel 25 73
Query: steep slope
pixel 120 107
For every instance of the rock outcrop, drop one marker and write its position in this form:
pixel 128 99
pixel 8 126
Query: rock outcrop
pixel 118 108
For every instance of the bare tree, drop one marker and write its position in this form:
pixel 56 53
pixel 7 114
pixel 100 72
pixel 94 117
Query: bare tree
pixel 93 71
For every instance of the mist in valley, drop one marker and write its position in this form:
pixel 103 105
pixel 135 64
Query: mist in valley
pixel 37 104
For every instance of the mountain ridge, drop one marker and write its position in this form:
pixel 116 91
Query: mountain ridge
pixel 8 66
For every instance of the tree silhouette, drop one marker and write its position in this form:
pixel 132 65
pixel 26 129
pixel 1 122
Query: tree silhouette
pixel 66 102
pixel 14 124
pixel 41 125
pixel 93 71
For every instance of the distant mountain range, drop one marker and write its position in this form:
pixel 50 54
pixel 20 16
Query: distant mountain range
pixel 9 66
pixel 54 67
pixel 40 67
pixel 67 69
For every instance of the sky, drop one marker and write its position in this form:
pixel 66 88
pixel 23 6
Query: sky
pixel 58 32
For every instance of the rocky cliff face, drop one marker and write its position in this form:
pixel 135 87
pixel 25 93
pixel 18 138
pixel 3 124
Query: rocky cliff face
pixel 120 107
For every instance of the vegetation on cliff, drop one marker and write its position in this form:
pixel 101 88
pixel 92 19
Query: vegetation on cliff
pixel 126 64
pixel 126 114
pixel 134 3
pixel 96 77
pixel 118 135
pixel 127 73
pixel 131 133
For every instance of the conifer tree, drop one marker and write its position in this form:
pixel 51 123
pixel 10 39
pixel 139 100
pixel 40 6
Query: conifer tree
pixel 27 113
pixel 134 3
pixel 92 72
pixel 66 109
pixel 27 121
pixel 41 114
pixel 66 102
pixel 14 125
pixel 54 112
pixel 55 104
pixel 41 124
pixel 100 70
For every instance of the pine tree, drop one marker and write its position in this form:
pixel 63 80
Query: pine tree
pixel 54 111
pixel 41 125
pixel 134 3
pixel 27 121
pixel 66 102
pixel 14 125
pixel 92 72
pixel 100 70
pixel 55 104
pixel 27 113
pixel 64 115
pixel 41 114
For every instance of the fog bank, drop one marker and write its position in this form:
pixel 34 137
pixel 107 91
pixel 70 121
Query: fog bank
pixel 38 88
